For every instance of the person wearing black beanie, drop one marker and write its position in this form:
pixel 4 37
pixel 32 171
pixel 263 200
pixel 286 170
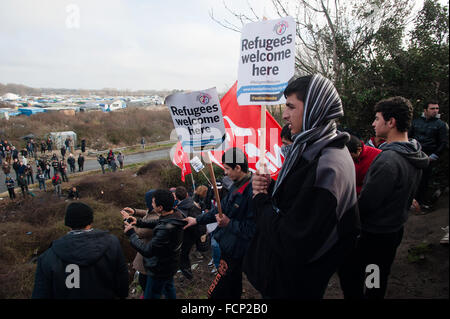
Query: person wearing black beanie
pixel 71 267
pixel 78 215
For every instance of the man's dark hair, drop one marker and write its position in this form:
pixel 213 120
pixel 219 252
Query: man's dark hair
pixel 164 198
pixel 427 104
pixel 286 132
pixel 235 156
pixel 299 87
pixel 353 144
pixel 181 193
pixel 399 108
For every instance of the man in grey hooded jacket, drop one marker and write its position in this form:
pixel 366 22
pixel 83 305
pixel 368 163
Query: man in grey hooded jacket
pixel 388 190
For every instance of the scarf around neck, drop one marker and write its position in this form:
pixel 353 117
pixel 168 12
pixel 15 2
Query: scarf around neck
pixel 321 106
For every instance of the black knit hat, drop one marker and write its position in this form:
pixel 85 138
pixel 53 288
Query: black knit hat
pixel 78 215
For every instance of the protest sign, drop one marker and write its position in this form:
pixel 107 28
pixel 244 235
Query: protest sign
pixel 197 164
pixel 198 120
pixel 266 61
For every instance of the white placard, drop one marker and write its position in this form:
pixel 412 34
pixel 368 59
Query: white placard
pixel 198 120
pixel 266 61
pixel 197 164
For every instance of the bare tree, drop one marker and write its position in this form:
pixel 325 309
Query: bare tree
pixel 331 34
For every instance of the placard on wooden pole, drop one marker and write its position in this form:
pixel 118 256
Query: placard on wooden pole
pixel 207 159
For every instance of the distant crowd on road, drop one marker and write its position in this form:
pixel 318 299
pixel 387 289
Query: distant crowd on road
pixel 25 174
pixel 110 161
pixel 22 164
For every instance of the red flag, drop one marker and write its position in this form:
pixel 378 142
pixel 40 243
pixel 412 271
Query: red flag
pixel 242 124
pixel 181 159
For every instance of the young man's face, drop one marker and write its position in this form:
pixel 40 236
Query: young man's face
pixel 234 174
pixel 293 113
pixel 355 156
pixel 431 111
pixel 380 125
pixel 155 208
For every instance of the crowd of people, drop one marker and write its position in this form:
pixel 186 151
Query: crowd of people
pixel 338 206
pixel 25 174
pixel 29 167
pixel 110 161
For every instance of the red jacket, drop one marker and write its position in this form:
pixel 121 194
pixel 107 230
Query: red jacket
pixel 362 164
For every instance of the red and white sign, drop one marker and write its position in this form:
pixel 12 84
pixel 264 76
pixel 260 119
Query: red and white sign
pixel 242 131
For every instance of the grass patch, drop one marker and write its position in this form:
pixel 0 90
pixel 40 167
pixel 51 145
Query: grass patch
pixel 417 254
pixel 29 226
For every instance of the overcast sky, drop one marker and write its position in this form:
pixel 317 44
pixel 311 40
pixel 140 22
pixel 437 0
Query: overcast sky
pixel 128 44
pixel 137 44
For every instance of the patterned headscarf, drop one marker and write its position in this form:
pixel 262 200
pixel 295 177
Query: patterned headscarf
pixel 321 106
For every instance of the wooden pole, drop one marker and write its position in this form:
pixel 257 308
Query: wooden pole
pixel 193 183
pixel 207 159
pixel 206 177
pixel 262 140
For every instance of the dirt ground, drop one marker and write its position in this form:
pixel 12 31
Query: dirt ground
pixel 420 269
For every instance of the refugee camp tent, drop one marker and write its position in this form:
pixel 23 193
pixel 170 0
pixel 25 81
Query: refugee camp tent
pixel 58 138
pixel 31 110
pixel 7 112
pixel 10 97
pixel 116 105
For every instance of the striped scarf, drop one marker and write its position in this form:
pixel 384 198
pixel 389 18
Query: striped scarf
pixel 321 106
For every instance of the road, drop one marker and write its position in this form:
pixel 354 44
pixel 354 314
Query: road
pixel 92 164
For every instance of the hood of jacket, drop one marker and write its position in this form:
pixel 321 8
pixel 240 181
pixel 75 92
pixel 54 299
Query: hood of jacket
pixel 84 248
pixel 185 205
pixel 410 150
pixel 339 140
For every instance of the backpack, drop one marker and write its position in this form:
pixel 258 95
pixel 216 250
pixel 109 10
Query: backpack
pixel 55 180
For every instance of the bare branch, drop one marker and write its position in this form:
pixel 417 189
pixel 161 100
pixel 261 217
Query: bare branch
pixel 228 25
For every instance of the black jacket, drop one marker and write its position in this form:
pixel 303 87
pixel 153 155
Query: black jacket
pixel 432 134
pixel 71 161
pixel 237 205
pixel 162 253
pixel 188 209
pixel 390 185
pixel 318 207
pixel 98 254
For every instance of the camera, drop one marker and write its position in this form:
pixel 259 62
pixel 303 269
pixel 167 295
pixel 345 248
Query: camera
pixel 129 220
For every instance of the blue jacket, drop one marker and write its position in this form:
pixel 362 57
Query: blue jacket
pixel 432 134
pixel 237 205
pixel 9 183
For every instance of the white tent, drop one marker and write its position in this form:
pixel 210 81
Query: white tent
pixel 58 138
pixel 10 97
pixel 116 105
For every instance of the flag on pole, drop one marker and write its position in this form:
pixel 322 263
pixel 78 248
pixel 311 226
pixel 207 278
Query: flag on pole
pixel 241 126
pixel 181 159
